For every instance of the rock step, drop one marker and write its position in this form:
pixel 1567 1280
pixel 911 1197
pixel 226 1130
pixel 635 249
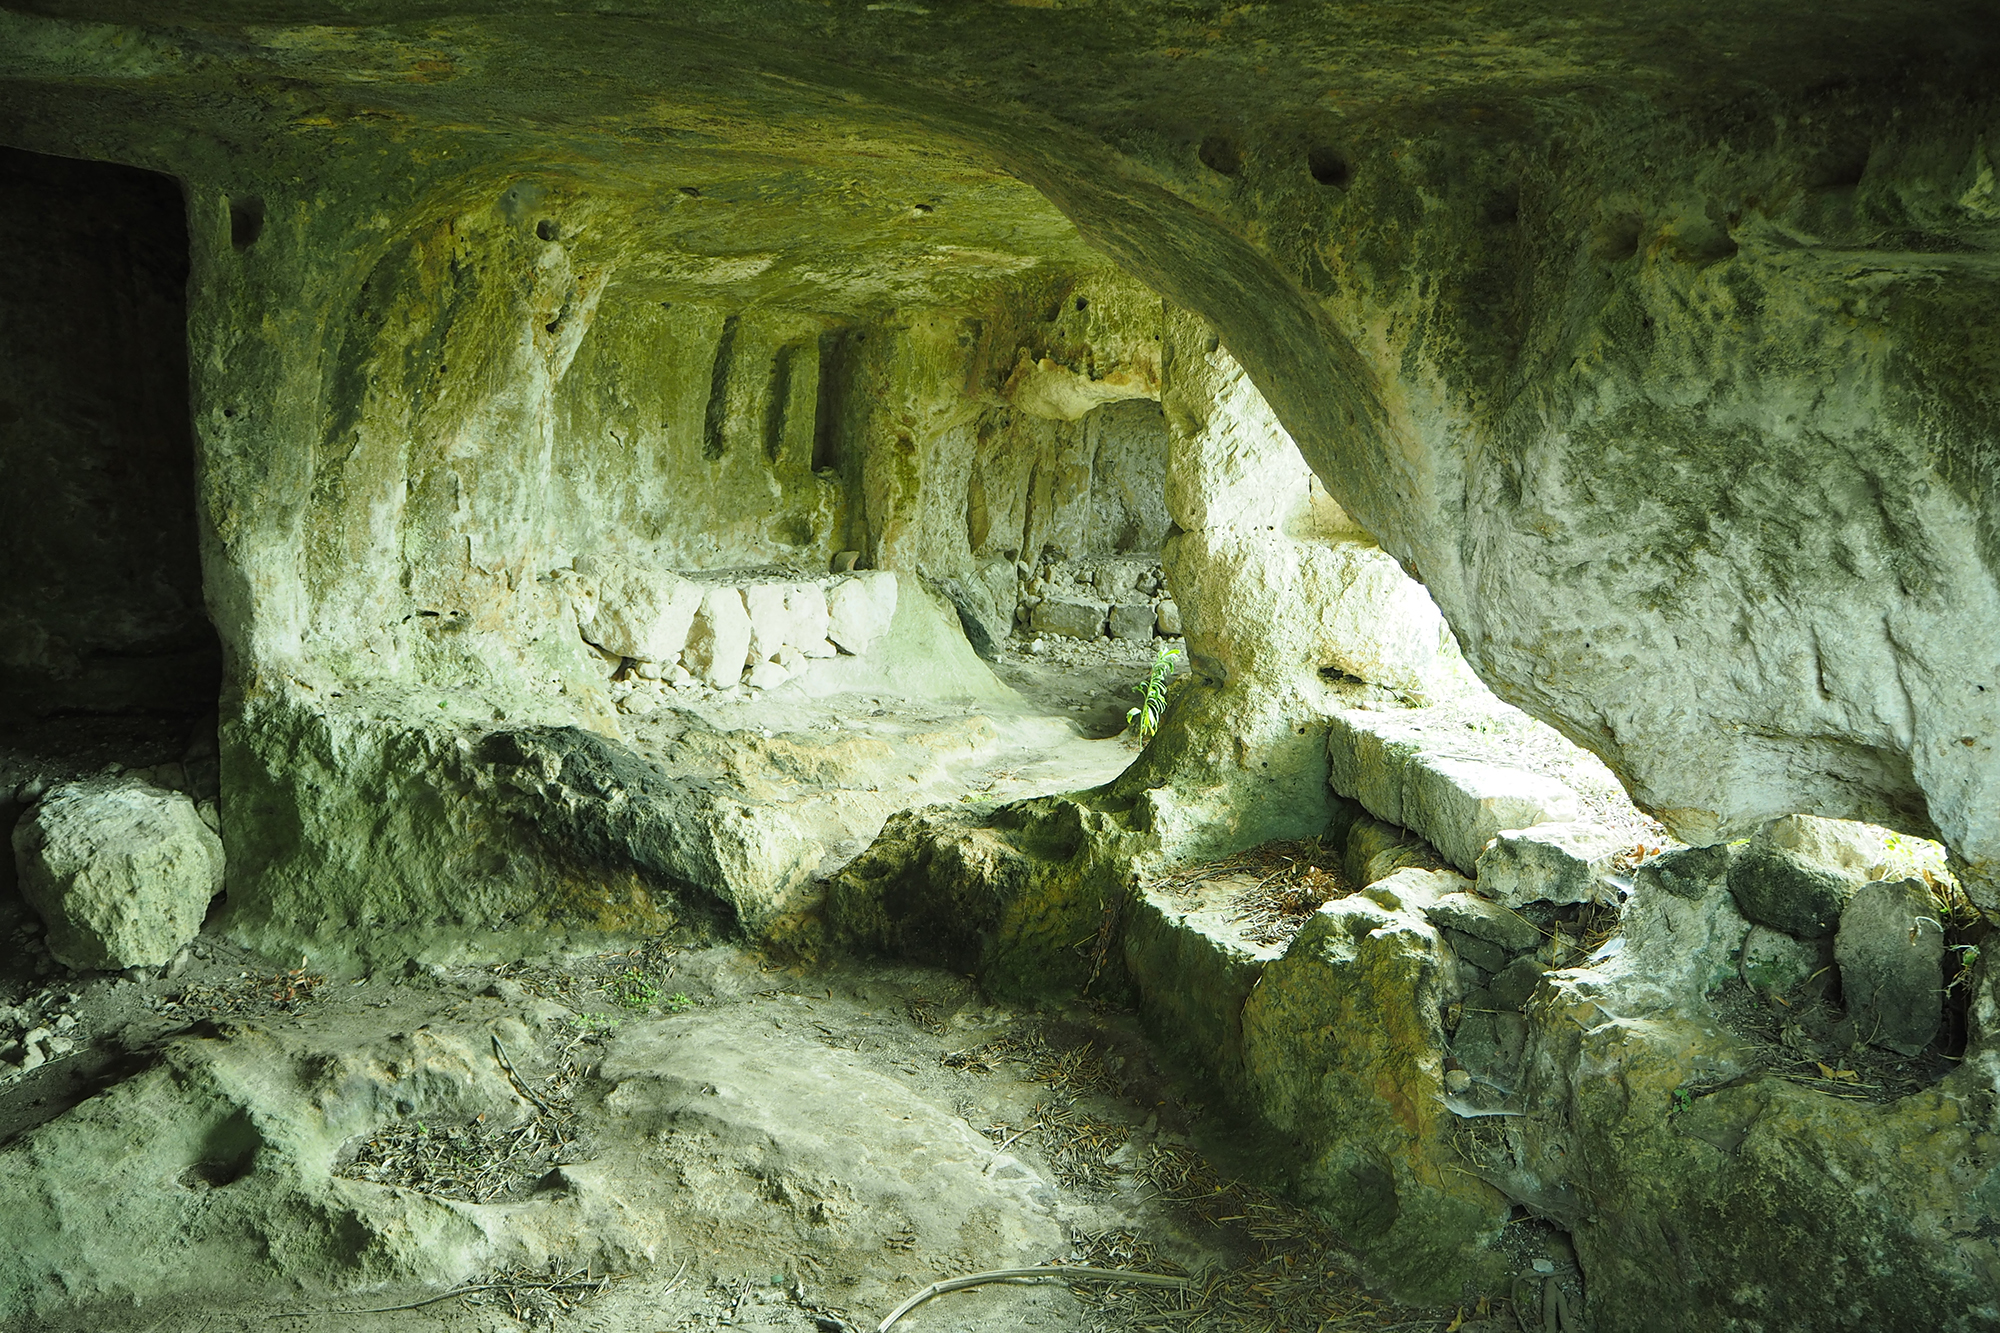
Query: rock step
pixel 1458 801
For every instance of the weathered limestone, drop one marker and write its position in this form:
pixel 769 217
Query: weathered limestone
pixel 1291 613
pixel 859 608
pixel 1344 1052
pixel 121 871
pixel 1891 954
pixel 719 639
pixel 1458 804
pixel 1194 969
pixel 1774 962
pixel 1777 889
pixel 1005 898
pixel 1555 862
pixel 638 612
pixel 1072 617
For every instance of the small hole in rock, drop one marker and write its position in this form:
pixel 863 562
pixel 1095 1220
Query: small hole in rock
pixel 1218 152
pixel 1083 303
pixel 547 229
pixel 246 221
pixel 1329 167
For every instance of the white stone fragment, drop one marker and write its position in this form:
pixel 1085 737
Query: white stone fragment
pixel 642 612
pixel 1556 862
pixel 121 871
pixel 770 621
pixel 718 645
pixel 859 609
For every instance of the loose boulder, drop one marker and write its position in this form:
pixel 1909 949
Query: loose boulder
pixel 1405 775
pixel 1686 872
pixel 122 872
pixel 1775 962
pixel 719 643
pixel 1072 617
pixel 1776 888
pixel 1891 954
pixel 641 613
pixel 1552 863
pixel 1132 620
pixel 860 608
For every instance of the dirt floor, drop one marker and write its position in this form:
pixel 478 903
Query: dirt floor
pixel 802 1150
pixel 678 1132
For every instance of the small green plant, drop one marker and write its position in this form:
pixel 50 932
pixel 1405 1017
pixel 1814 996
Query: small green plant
pixel 1968 956
pixel 1145 719
pixel 679 1002
pixel 1681 1099
pixel 633 988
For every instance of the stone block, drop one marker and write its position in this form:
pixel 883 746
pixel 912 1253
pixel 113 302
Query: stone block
pixel 1775 961
pixel 1458 804
pixel 1344 1047
pixel 641 612
pixel 1687 872
pixel 859 609
pixel 1411 889
pixel 1485 955
pixel 1890 947
pixel 1553 863
pixel 1167 619
pixel 719 642
pixel 1472 915
pixel 806 614
pixel 1513 984
pixel 121 872
pixel 1132 621
pixel 1195 967
pixel 1071 617
pixel 1778 889
pixel 1375 850
pixel 770 621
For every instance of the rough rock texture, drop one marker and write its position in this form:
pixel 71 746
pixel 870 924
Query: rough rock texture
pixel 1484 919
pixel 718 645
pixel 1891 954
pixel 1398 771
pixel 1695 1185
pixel 1194 966
pixel 1005 898
pixel 711 1103
pixel 1526 350
pixel 637 612
pixel 859 609
pixel 1687 872
pixel 121 871
pixel 1556 862
pixel 1776 962
pixel 1291 613
pixel 1344 1053
pixel 1071 617
pixel 1778 889
pixel 1375 850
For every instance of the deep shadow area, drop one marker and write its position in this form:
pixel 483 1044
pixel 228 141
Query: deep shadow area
pixel 101 610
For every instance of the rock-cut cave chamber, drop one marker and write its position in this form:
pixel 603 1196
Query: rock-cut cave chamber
pixel 580 591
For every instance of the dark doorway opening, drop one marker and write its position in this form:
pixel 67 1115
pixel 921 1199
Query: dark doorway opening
pixel 101 612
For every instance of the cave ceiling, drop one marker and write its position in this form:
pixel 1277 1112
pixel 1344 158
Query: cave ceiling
pixel 847 157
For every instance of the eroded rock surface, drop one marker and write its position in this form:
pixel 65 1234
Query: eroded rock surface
pixel 121 871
